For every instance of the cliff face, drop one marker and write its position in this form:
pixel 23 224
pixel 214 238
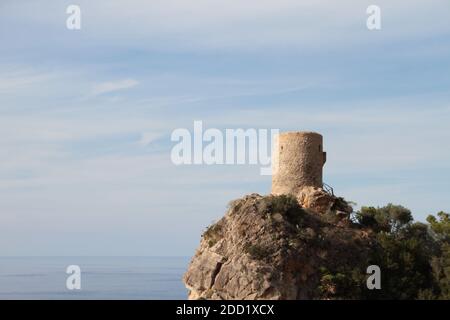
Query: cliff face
pixel 280 247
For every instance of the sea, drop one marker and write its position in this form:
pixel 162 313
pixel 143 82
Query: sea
pixel 106 278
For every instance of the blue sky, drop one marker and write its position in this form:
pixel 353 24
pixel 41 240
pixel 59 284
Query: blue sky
pixel 86 116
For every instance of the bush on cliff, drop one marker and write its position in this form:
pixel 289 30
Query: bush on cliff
pixel 413 257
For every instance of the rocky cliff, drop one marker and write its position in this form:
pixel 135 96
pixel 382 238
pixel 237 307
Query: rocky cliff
pixel 281 247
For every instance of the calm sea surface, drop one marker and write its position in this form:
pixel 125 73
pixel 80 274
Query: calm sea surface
pixel 101 277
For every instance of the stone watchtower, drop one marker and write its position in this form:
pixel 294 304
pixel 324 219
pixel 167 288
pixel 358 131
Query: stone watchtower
pixel 298 160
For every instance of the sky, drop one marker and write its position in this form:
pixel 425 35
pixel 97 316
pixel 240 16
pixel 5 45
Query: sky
pixel 86 115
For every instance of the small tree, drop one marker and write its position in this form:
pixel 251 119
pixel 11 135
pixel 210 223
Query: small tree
pixel 390 218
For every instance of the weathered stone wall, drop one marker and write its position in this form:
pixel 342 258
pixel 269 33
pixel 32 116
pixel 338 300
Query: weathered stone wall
pixel 298 162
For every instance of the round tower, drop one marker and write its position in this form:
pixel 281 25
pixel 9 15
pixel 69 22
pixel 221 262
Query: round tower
pixel 298 162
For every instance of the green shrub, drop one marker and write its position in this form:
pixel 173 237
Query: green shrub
pixel 257 252
pixel 213 234
pixel 341 284
pixel 390 218
pixel 414 258
pixel 286 205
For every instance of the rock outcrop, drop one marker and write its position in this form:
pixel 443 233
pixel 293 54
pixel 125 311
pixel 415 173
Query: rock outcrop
pixel 280 247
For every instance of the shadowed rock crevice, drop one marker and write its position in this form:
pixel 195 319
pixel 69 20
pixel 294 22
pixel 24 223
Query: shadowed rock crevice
pixel 215 273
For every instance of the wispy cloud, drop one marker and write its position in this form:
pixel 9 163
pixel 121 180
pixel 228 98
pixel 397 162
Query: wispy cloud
pixel 10 82
pixel 112 86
